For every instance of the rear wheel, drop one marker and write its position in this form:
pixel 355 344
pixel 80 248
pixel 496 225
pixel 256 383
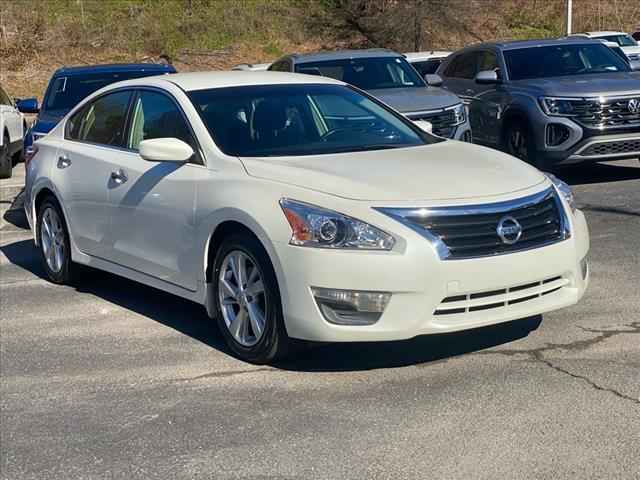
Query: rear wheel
pixel 55 246
pixel 6 163
pixel 247 301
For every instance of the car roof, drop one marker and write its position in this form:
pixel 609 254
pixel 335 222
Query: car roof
pixel 232 78
pixel 605 33
pixel 546 42
pixel 343 55
pixel 114 68
pixel 417 56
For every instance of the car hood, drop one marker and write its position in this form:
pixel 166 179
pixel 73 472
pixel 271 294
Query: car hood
pixel 443 171
pixel 47 120
pixel 415 99
pixel 593 85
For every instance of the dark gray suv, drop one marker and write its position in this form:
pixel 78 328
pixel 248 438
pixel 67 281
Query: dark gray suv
pixel 549 102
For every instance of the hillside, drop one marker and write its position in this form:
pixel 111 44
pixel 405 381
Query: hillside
pixel 38 36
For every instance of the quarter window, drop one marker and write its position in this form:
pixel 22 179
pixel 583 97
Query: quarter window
pixel 155 115
pixel 101 121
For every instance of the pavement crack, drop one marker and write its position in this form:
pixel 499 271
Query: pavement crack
pixel 230 373
pixel 541 359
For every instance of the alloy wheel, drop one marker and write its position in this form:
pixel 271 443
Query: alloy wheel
pixel 52 240
pixel 242 298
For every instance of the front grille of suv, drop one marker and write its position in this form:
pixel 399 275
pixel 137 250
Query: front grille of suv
pixel 607 112
pixel 443 122
pixel 472 231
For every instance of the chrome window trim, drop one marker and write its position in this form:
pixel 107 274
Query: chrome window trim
pixel 505 207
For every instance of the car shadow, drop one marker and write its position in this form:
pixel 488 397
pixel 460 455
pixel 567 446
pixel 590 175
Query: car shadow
pixel 590 173
pixel 190 319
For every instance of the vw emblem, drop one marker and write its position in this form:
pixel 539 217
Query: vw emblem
pixel 634 105
pixel 509 230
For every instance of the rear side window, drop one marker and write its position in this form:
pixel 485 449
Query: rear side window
pixel 101 121
pixel 427 67
pixel 463 66
pixel 155 115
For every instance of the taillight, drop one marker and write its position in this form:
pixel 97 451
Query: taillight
pixel 29 153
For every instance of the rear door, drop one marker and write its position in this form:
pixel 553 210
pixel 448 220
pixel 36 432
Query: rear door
pixel 152 204
pixel 93 148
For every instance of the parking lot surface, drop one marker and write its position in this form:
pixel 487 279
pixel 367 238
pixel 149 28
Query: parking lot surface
pixel 112 379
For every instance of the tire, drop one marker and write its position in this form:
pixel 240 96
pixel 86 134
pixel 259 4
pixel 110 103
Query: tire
pixel 239 306
pixel 54 243
pixel 6 162
pixel 518 142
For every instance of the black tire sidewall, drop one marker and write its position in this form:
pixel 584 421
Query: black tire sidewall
pixel 64 276
pixel 526 131
pixel 6 163
pixel 274 339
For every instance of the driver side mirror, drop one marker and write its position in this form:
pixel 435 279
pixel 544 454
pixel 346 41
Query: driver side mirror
pixel 165 150
pixel 487 77
pixel 28 105
pixel 433 80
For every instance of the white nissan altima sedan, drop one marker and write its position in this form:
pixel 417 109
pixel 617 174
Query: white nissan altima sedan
pixel 296 206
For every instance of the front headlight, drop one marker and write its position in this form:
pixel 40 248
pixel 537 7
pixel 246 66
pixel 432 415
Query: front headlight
pixel 563 189
pixel 317 227
pixel 460 114
pixel 558 107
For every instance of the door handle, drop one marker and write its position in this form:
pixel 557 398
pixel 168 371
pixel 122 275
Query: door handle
pixel 119 176
pixel 63 161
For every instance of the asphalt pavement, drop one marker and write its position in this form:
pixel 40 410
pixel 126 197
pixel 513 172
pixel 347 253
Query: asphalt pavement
pixel 115 380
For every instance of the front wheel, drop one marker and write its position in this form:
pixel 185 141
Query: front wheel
pixel 247 301
pixel 519 142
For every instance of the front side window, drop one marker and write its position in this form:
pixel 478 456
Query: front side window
pixel 101 121
pixel 366 73
pixel 562 60
pixel 155 115
pixel 295 120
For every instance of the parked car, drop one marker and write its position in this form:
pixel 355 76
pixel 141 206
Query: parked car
pixel 388 76
pixel 549 102
pixel 426 63
pixel 300 207
pixel 628 44
pixel 70 85
pixel 12 128
pixel 252 67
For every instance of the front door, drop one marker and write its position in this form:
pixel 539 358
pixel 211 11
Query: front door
pixel 152 204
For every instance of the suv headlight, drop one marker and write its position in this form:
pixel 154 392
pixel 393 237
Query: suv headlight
pixel 558 107
pixel 317 227
pixel 459 114
pixel 563 189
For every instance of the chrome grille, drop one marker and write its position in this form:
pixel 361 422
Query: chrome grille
pixel 606 112
pixel 612 148
pixel 472 231
pixel 443 122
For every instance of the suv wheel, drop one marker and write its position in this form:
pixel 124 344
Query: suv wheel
pixel 247 301
pixel 518 142
pixel 6 164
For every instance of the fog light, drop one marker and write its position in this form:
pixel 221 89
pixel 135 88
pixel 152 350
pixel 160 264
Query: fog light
pixel 557 134
pixel 350 307
pixel 584 267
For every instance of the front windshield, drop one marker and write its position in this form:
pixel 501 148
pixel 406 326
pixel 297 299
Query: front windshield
pixel 366 73
pixel 64 93
pixel 294 120
pixel 622 40
pixel 562 60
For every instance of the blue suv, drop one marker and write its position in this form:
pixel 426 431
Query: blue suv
pixel 69 85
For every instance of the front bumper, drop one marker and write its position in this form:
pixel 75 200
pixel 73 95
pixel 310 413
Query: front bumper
pixel 419 282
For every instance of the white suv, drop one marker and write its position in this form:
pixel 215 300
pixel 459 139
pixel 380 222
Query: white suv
pixel 12 130
pixel 628 44
pixel 296 206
